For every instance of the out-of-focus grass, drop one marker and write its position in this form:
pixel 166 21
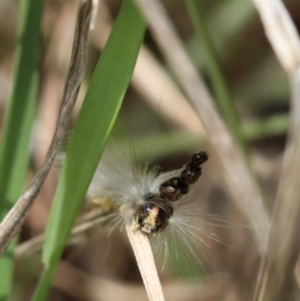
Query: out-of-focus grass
pixel 220 89
pixel 14 149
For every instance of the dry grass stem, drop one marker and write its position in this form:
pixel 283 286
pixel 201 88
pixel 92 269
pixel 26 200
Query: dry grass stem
pixel 237 174
pixel 14 220
pixel 145 260
pixel 281 32
pixel 277 271
pixel 86 223
pixel 94 13
pixel 157 88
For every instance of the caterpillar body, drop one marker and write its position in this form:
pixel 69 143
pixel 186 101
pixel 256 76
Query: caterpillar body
pixel 157 204
pixel 143 197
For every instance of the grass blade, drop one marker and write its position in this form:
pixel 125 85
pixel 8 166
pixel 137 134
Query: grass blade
pixel 14 152
pixel 101 105
pixel 221 92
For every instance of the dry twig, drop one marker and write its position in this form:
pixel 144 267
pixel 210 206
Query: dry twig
pixel 144 257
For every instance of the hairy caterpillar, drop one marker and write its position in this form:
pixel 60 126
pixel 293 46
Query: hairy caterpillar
pixel 152 202
pixel 141 196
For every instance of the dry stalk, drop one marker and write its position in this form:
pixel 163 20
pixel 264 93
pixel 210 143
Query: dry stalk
pixel 237 174
pixel 276 278
pixel 89 221
pixel 281 32
pixel 145 260
pixel 14 220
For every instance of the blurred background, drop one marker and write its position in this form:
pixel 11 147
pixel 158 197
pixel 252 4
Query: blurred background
pixel 156 114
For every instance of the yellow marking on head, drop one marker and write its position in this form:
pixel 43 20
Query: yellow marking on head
pixel 150 220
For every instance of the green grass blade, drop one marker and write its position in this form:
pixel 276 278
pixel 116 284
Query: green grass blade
pixel 266 128
pixel 101 105
pixel 220 89
pixel 14 151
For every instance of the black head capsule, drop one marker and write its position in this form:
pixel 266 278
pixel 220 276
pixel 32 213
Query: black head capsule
pixel 199 158
pixel 151 218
